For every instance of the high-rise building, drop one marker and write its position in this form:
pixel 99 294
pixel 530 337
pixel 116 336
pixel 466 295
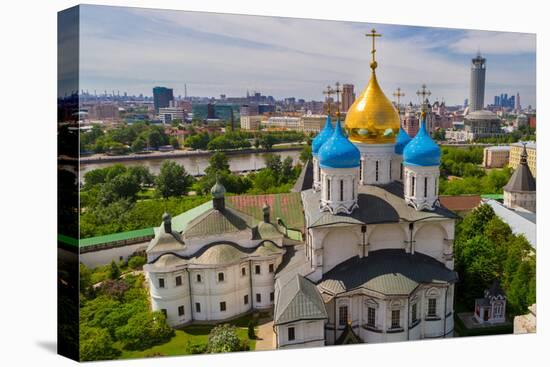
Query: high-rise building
pixel 517 106
pixel 162 97
pixel 348 97
pixel 477 83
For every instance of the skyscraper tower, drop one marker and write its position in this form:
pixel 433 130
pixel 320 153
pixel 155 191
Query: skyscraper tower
pixel 477 83
pixel 517 107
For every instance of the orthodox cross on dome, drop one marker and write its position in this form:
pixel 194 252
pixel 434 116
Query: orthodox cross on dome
pixel 338 91
pixel 373 35
pixel 398 94
pixel 423 94
pixel 328 92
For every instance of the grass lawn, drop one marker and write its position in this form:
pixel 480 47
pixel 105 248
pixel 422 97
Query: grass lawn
pixel 196 334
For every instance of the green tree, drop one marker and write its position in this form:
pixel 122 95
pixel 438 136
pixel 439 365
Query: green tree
pixel 286 170
pixel 114 271
pixel 172 180
pixel 144 330
pixel 274 164
pixel 223 338
pixel 96 344
pixel 218 163
pixel 137 262
pixel 123 186
pixel 139 144
pixel 267 141
pixel 305 154
pixel 173 141
pixel 520 295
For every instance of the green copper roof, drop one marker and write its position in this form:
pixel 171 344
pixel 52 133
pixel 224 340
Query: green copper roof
pixel 492 196
pixel 180 221
pixel 299 300
pixel 116 237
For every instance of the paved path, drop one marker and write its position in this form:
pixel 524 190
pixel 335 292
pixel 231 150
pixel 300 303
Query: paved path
pixel 266 337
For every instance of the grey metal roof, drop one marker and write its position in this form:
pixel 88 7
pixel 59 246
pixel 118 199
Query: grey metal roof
pixel 217 253
pixel 377 204
pixel 299 300
pixel 519 222
pixel 389 272
pixel 305 179
pixel 215 221
pixel 166 241
pixel 522 179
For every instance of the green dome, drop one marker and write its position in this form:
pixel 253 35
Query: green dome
pixel 217 191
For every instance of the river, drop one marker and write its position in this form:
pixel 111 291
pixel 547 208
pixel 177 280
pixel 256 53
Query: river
pixel 196 165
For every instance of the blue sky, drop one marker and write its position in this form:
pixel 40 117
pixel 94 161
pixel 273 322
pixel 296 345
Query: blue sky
pixel 133 50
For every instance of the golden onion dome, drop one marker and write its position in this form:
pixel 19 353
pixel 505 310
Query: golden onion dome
pixel 372 118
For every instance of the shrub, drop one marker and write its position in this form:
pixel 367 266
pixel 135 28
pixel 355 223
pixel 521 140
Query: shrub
pixel 96 344
pixel 251 332
pixel 137 262
pixel 144 330
pixel 223 338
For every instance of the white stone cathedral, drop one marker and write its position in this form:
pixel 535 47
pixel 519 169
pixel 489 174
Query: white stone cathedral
pixel 376 260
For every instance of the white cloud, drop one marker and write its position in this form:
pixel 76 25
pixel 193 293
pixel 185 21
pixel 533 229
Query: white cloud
pixel 495 43
pixel 218 53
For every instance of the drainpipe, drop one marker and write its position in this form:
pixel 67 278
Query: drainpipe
pixel 411 248
pixel 408 316
pixel 190 293
pixel 364 231
pixel 445 313
pixel 334 320
pixel 250 277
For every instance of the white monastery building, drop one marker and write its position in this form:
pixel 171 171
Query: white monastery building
pixel 373 261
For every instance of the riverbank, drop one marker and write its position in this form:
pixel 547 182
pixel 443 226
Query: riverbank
pixel 102 158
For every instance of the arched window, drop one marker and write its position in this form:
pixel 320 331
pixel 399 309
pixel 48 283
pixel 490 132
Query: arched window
pixel 376 178
pixel 412 184
pixel 328 188
pixel 341 190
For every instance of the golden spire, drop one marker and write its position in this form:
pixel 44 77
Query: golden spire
pixel 372 118
pixel 338 91
pixel 328 92
pixel 373 35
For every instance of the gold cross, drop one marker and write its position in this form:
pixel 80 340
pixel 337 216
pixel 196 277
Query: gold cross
pixel 338 90
pixel 398 94
pixel 328 92
pixel 373 35
pixel 423 93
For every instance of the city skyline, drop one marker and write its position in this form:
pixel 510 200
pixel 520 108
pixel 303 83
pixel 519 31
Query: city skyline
pixel 235 53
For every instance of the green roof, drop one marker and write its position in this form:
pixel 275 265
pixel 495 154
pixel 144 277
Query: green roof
pixel 180 221
pixel 299 300
pixel 116 237
pixel 492 196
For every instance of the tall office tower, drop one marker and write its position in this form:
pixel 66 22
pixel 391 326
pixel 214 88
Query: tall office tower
pixel 517 107
pixel 162 97
pixel 477 83
pixel 348 97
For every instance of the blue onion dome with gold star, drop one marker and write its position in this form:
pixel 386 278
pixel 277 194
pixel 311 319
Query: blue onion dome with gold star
pixel 402 140
pixel 322 137
pixel 338 151
pixel 422 150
